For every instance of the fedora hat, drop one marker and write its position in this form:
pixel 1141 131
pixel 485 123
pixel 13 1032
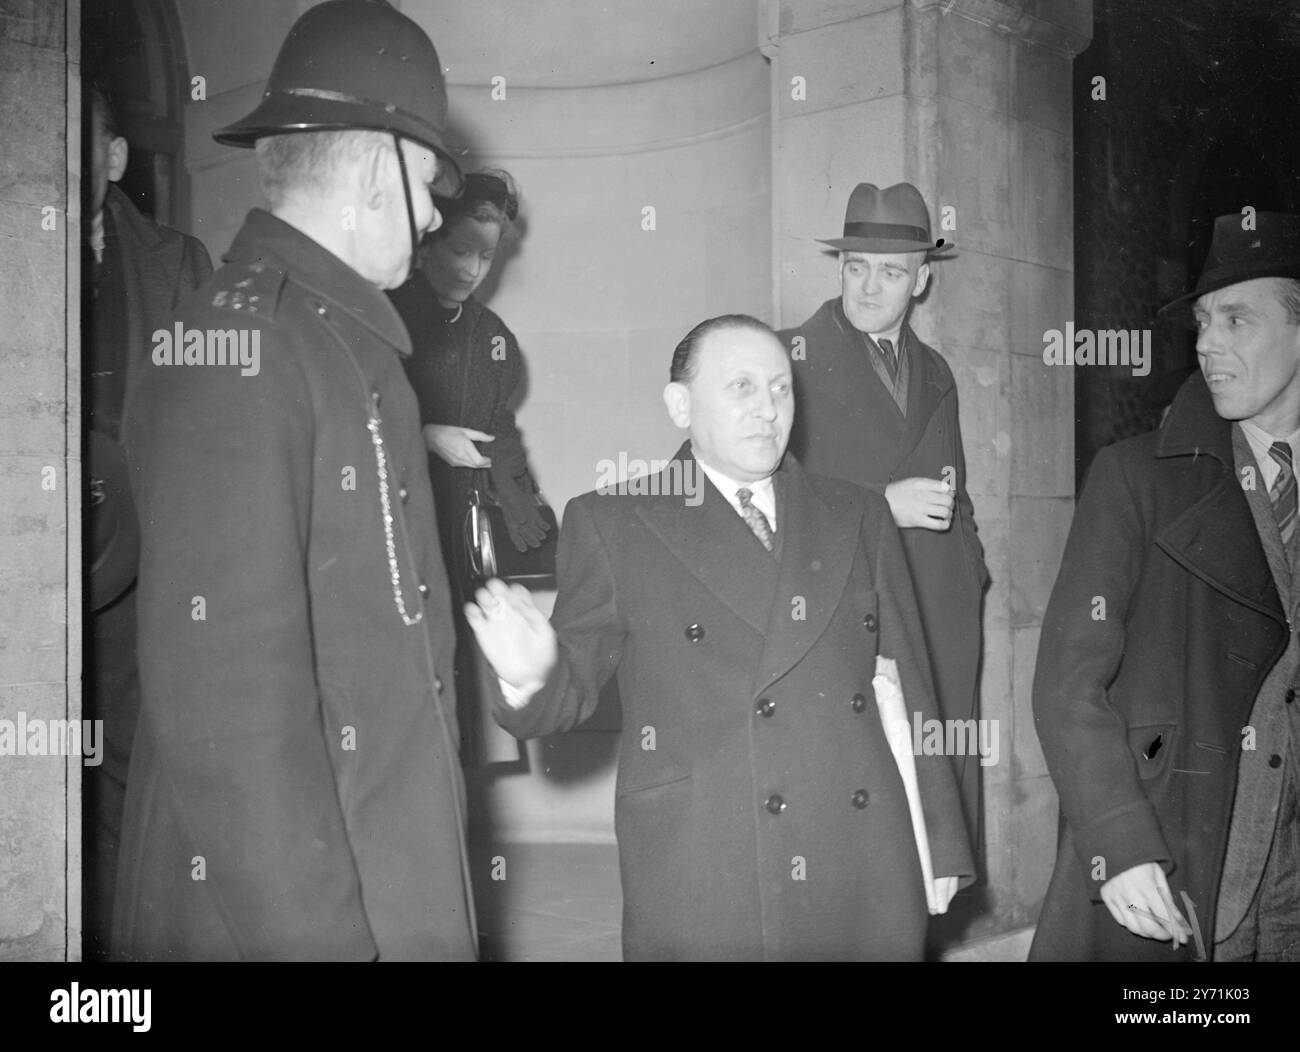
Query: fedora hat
pixel 891 220
pixel 1270 250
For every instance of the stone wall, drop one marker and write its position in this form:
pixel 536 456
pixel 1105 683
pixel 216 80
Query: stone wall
pixel 40 469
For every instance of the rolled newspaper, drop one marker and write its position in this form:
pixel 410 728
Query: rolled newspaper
pixel 898 732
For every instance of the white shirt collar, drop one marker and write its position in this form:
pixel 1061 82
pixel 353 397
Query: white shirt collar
pixel 892 335
pixel 1260 442
pixel 763 494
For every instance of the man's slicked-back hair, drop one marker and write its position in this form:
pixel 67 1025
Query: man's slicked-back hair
pixel 682 371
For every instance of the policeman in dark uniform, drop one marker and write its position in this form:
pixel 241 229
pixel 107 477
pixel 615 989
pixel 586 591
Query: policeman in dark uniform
pixel 294 790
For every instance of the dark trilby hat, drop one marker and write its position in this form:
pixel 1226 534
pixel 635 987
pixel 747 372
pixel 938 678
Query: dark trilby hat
pixel 355 64
pixel 1269 249
pixel 891 220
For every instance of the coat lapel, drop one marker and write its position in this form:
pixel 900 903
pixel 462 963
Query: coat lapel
pixel 1215 538
pixel 149 271
pixel 929 387
pixel 855 383
pixel 712 541
pixel 817 554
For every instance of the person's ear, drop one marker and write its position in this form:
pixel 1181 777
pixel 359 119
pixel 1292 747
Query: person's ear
pixel 677 400
pixel 922 279
pixel 118 154
pixel 371 172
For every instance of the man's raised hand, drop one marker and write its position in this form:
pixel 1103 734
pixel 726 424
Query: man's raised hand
pixel 513 634
pixel 921 502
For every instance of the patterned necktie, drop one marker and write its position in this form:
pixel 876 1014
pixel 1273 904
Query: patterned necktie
pixel 1283 491
pixel 755 518
pixel 890 355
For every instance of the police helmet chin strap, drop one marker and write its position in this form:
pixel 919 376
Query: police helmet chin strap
pixel 410 211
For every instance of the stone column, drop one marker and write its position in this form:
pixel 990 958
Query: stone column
pixel 971 101
pixel 40 478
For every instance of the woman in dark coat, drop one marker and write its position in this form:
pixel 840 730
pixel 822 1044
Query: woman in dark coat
pixel 465 369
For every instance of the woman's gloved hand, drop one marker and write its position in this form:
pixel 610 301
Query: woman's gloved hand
pixel 523 515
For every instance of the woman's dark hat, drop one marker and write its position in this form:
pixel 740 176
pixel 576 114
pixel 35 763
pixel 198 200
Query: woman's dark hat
pixel 355 64
pixel 891 220
pixel 1270 250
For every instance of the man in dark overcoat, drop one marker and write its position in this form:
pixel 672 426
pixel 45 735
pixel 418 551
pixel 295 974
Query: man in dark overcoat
pixel 879 407
pixel 135 274
pixel 741 603
pixel 1165 689
pixel 295 791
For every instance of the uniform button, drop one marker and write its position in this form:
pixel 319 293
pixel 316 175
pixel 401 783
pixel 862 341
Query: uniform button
pixel 765 707
pixel 320 309
pixel 437 685
pixel 869 622
pixel 859 702
pixel 374 396
pixel 695 633
pixel 1275 760
pixel 424 589
pixel 404 493
pixel 860 799
pixel 1290 695
pixel 775 804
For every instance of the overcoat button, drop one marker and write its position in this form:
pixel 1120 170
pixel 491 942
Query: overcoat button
pixel 695 633
pixel 860 799
pixel 1275 760
pixel 775 804
pixel 869 622
pixel 765 707
pixel 859 702
pixel 404 493
pixel 424 589
pixel 320 309
pixel 374 396
pixel 437 685
pixel 1290 695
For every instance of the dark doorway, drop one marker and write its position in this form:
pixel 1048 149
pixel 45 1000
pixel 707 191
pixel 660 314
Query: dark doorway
pixel 1196 122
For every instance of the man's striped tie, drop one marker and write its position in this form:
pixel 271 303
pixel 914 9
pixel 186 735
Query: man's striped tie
pixel 1283 491
pixel 755 518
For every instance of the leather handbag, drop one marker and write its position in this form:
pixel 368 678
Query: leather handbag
pixel 490 551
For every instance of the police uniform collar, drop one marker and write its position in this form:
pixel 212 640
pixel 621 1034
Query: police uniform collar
pixel 269 239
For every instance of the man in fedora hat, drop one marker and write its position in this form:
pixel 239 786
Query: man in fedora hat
pixel 878 407
pixel 294 789
pixel 1166 682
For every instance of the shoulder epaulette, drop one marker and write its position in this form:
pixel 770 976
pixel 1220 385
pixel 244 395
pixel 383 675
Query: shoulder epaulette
pixel 250 288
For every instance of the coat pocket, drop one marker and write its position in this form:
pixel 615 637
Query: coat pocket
pixel 661 783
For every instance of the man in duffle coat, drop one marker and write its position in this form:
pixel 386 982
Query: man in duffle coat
pixel 1165 689
pixel 741 605
pixel 294 790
